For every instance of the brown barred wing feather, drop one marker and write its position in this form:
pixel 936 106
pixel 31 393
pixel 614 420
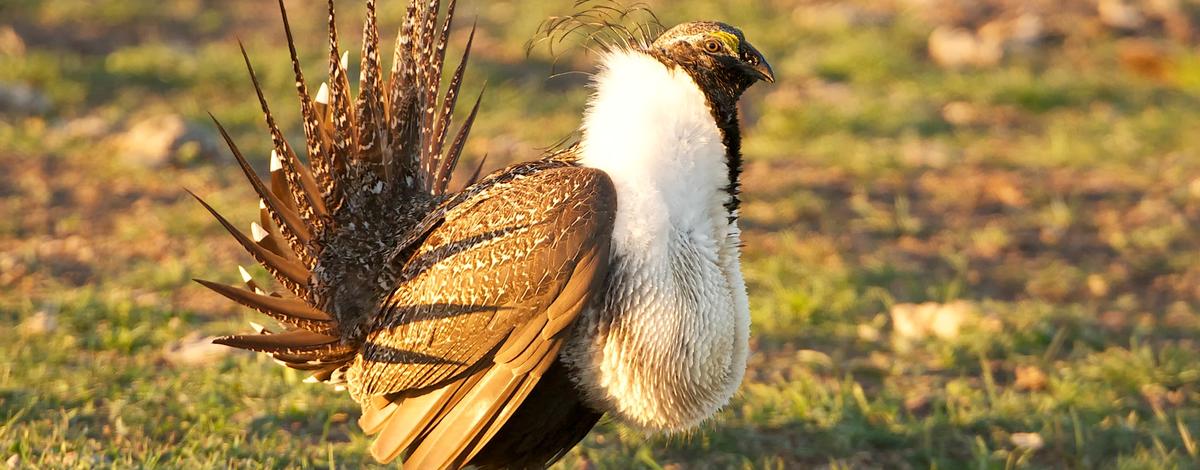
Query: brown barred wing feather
pixel 528 250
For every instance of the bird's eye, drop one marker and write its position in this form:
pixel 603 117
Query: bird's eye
pixel 712 45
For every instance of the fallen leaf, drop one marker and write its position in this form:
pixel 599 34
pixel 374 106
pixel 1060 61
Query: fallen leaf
pixel 1145 58
pixel 944 321
pixel 1097 286
pixel 1028 440
pixel 1030 378
pixel 39 324
pixel 955 48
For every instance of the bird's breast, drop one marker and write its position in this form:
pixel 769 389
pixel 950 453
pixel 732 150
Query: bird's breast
pixel 664 347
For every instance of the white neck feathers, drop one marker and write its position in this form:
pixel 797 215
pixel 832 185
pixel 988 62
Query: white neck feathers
pixel 667 345
pixel 650 129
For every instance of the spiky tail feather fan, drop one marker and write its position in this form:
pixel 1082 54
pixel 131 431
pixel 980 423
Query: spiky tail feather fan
pixel 333 231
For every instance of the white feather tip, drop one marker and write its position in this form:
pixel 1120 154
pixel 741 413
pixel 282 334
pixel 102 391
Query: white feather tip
pixel 323 94
pixel 246 277
pixel 276 163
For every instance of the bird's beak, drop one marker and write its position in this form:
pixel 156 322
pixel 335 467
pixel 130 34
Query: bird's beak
pixel 756 65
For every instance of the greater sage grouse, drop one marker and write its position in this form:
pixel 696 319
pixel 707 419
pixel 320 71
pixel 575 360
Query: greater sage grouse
pixel 493 326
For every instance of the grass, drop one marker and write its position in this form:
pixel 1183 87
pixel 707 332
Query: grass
pixel 1044 209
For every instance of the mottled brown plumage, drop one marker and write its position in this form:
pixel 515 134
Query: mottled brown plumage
pixel 481 311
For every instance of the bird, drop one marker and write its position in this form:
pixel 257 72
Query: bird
pixel 493 325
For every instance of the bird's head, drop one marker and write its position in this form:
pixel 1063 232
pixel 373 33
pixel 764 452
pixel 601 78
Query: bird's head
pixel 716 55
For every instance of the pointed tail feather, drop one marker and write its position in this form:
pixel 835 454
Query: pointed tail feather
pixel 301 187
pixel 316 141
pixel 450 161
pixel 292 276
pixel 442 126
pixel 290 226
pixel 403 135
pixel 296 341
pixel 475 174
pixel 294 312
pixel 372 135
pixel 431 128
pixel 344 139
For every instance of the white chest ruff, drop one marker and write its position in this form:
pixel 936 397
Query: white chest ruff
pixel 666 345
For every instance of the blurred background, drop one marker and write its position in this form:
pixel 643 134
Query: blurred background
pixel 971 231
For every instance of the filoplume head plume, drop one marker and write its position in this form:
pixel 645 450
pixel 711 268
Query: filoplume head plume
pixel 599 26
